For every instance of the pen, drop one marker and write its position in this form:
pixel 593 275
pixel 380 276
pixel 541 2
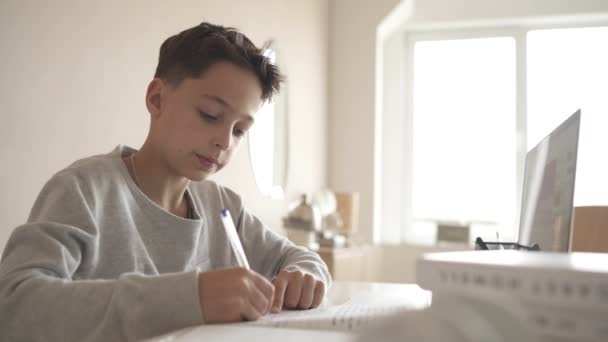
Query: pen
pixel 237 248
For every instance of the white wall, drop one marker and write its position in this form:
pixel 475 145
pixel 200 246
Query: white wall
pixel 351 120
pixel 74 75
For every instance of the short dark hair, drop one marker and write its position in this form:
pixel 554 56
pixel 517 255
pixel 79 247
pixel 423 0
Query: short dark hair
pixel 191 52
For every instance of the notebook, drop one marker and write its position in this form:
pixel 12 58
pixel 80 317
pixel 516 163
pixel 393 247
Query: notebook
pixel 345 313
pixel 350 314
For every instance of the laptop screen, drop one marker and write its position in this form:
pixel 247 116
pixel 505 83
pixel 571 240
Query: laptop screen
pixel 548 192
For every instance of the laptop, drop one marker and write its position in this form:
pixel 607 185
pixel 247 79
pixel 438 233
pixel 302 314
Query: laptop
pixel 546 214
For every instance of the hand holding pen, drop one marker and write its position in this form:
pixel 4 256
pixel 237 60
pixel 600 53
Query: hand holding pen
pixel 234 294
pixel 237 294
pixel 293 289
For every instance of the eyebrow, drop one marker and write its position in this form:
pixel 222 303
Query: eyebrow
pixel 225 104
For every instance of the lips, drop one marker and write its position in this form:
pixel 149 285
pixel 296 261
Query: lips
pixel 206 163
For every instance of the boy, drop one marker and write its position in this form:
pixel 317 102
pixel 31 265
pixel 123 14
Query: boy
pixel 130 244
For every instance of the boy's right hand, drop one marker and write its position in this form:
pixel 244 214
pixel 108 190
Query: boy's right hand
pixel 234 294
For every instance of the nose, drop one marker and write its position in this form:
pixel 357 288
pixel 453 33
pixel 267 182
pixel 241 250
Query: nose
pixel 223 138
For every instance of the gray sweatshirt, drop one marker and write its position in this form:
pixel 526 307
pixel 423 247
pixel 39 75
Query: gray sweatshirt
pixel 99 261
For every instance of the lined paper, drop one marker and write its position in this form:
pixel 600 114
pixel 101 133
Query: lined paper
pixel 345 317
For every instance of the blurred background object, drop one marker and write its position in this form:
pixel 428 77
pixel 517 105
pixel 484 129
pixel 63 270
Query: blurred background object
pixel 347 206
pixel 325 200
pixel 590 229
pixel 303 222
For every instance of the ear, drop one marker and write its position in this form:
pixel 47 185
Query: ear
pixel 154 97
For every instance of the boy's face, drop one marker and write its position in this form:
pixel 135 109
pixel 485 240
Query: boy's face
pixel 199 124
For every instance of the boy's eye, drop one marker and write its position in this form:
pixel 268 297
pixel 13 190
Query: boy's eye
pixel 208 117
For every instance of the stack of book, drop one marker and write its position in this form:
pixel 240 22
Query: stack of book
pixel 565 296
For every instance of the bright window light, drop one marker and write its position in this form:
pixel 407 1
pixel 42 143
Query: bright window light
pixel 464 162
pixel 567 70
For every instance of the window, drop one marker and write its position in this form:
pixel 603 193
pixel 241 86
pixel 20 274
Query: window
pixel 464 132
pixel 475 98
pixel 568 69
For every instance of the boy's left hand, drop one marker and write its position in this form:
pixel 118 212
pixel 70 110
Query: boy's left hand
pixel 296 290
